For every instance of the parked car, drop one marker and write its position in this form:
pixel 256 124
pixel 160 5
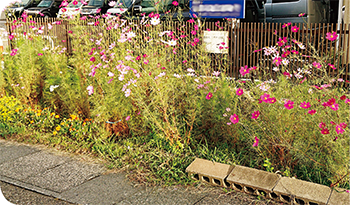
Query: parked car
pixel 95 7
pixel 283 11
pixel 46 8
pixel 123 7
pixel 70 10
pixel 16 9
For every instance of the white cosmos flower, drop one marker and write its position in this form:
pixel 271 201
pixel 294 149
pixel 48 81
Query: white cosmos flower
pixel 285 61
pixel 190 70
pixel 131 34
pixel 172 43
pixel 155 21
pixel 112 3
pixel 177 75
pixel 53 87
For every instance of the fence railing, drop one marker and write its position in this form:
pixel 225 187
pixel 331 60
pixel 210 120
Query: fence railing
pixel 245 41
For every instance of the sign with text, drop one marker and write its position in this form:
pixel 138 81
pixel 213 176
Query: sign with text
pixel 215 41
pixel 218 9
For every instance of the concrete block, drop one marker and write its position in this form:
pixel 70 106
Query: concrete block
pixel 252 181
pixel 339 197
pixel 297 191
pixel 209 172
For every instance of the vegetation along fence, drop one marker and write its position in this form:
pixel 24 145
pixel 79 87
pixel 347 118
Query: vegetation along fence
pixel 245 41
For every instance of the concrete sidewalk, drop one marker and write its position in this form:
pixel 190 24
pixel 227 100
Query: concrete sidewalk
pixel 77 180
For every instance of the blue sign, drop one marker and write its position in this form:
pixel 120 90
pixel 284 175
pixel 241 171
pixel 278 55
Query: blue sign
pixel 218 9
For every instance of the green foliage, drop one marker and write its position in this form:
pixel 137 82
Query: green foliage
pixel 130 93
pixel 8 107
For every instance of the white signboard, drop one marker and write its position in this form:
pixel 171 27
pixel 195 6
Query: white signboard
pixel 216 41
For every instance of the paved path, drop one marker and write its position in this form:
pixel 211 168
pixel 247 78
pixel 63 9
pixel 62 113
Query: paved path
pixel 78 180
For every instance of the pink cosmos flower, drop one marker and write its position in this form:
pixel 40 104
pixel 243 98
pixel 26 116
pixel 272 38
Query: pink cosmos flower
pixel 301 14
pixel 271 100
pixel 289 104
pixel 265 97
pixel 317 65
pixel 339 129
pixel 294 29
pixel 146 62
pixel 40 54
pixel 244 70
pixel 175 3
pixel 331 36
pixel 277 60
pixel 83 18
pixel 322 125
pixel 288 75
pixel 332 66
pixel 210 95
pixel 255 115
pixel 347 101
pixel 256 142
pixel 190 21
pixel 234 118
pixel 90 89
pixel 325 131
pixel 193 32
pixel 305 105
pixel 92 59
pixel 75 2
pixel 286 24
pixel 127 118
pixel 282 41
pixel 239 91
pixel 64 4
pixel 334 106
pixel 311 112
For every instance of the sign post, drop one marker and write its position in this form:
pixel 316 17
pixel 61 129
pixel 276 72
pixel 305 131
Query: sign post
pixel 218 8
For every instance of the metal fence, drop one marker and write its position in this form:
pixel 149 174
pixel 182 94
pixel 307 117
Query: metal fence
pixel 245 41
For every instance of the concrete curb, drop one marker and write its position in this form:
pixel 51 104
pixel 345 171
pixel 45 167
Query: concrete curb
pixel 265 184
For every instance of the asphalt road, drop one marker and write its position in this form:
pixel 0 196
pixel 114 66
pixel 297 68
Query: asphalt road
pixel 19 196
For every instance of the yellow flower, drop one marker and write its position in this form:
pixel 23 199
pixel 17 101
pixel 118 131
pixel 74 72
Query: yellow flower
pixel 62 123
pixel 84 123
pixel 52 114
pixel 54 133
pixel 17 110
pixel 58 128
pixel 38 114
pixel 73 117
pixel 31 122
pixel 70 130
pixel 57 116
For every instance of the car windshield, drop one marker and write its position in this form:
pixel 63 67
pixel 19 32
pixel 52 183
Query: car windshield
pixel 95 3
pixel 45 3
pixel 123 4
pixel 71 5
pixel 22 3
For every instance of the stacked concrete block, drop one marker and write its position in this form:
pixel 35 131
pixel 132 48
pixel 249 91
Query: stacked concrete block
pixel 253 181
pixel 339 197
pixel 209 172
pixel 266 184
pixel 296 191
